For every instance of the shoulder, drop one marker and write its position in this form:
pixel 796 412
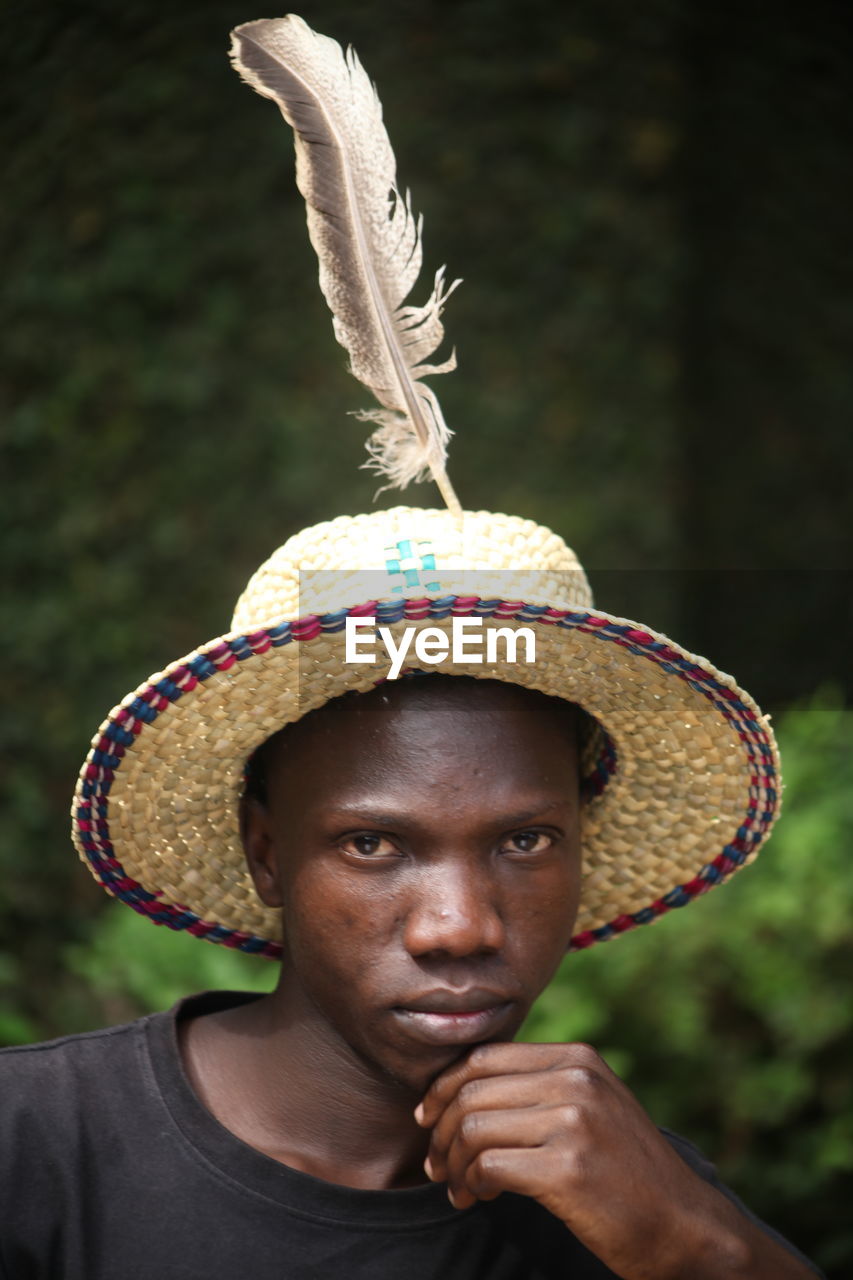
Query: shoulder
pixel 702 1166
pixel 84 1078
pixel 59 1087
pixel 40 1063
pixel 691 1155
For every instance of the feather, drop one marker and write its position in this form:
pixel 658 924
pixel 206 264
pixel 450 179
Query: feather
pixel 365 234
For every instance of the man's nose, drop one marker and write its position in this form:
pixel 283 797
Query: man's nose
pixel 454 912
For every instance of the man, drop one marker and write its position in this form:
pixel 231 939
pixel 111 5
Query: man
pixel 419 853
pixel 420 843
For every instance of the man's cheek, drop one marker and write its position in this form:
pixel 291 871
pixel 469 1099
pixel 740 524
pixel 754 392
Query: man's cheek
pixel 339 937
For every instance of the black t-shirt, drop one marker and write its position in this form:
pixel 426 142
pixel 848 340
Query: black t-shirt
pixel 112 1169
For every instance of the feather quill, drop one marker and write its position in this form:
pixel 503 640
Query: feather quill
pixel 365 234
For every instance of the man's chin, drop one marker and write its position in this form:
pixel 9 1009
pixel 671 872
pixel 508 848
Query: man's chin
pixel 417 1073
pixel 412 1063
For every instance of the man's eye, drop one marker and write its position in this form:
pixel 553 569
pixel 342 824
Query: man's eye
pixel 368 845
pixel 528 842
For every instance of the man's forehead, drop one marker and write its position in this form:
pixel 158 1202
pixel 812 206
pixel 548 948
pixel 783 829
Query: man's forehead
pixel 414 725
pixel 420 729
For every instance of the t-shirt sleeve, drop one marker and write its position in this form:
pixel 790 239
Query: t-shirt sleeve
pixel 693 1157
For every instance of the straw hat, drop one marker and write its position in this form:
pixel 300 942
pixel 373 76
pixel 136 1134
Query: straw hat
pixel 685 769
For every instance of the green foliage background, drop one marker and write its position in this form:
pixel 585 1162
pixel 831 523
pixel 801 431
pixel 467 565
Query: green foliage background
pixel 654 332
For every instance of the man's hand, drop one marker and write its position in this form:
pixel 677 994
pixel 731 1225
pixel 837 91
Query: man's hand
pixel 553 1122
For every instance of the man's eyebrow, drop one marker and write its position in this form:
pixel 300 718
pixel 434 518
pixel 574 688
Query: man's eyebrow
pixel 534 814
pixel 363 815
pixel 366 815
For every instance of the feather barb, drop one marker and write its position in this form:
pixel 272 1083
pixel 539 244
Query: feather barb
pixel 367 239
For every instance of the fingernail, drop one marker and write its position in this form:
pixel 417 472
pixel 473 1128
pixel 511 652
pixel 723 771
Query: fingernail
pixel 451 1198
pixel 419 1113
pixel 428 1169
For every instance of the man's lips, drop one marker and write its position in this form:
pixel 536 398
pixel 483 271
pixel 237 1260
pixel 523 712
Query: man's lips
pixel 446 1000
pixel 454 1017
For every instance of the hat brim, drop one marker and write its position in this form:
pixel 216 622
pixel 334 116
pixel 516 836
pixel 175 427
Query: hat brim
pixel 693 791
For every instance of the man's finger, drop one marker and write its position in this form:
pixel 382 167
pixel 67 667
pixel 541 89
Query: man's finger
pixel 505 1059
pixel 522 1170
pixel 485 1094
pixel 482 1131
pixel 490 1060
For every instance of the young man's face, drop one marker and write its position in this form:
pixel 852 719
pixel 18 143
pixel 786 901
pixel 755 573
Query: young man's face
pixel 423 843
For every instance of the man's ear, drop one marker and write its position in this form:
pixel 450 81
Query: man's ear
pixel 258 846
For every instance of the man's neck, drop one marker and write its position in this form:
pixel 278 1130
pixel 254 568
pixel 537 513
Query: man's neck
pixel 304 1099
